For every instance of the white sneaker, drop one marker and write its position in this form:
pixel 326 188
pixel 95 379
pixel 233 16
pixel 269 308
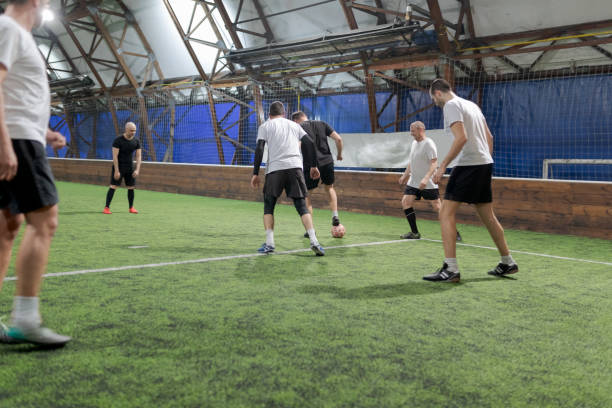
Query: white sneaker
pixel 4 337
pixel 38 335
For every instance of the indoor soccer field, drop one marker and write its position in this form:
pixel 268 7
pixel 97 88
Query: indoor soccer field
pixel 174 307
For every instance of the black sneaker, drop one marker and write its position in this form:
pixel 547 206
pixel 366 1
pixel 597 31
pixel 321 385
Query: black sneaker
pixel 335 221
pixel 459 239
pixel 503 269
pixel 411 235
pixel 443 275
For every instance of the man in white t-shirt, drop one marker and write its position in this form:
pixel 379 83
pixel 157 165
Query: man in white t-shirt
pixel 27 189
pixel 422 163
pixel 284 172
pixel 470 180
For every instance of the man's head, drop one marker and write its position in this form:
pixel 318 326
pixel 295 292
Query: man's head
pixel 417 130
pixel 299 117
pixel 440 92
pixel 33 8
pixel 276 109
pixel 130 130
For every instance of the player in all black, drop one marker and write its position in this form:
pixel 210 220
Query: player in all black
pixel 319 131
pixel 123 150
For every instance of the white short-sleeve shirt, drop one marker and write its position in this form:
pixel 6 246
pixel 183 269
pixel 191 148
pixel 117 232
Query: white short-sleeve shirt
pixel 476 149
pixel 283 139
pixel 421 155
pixel 25 88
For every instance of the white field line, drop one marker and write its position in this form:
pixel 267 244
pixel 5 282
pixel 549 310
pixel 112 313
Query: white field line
pixel 295 251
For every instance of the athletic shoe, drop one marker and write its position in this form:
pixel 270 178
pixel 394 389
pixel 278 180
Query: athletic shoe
pixel 306 235
pixel 443 275
pixel 411 235
pixel 318 249
pixel 335 221
pixel 133 210
pixel 459 239
pixel 106 211
pixel 4 337
pixel 266 249
pixel 503 269
pixel 40 335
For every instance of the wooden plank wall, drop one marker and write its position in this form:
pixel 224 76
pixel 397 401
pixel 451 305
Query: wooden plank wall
pixel 577 208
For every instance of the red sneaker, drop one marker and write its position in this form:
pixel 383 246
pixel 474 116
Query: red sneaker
pixel 106 211
pixel 133 210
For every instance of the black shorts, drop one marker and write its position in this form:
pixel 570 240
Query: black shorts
pixel 290 180
pixel 327 176
pixel 130 181
pixel 427 194
pixel 33 187
pixel 470 184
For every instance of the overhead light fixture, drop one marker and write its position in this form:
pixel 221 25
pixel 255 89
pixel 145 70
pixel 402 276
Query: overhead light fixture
pixel 48 15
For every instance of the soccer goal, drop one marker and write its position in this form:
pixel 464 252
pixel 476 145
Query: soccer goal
pixel 547 170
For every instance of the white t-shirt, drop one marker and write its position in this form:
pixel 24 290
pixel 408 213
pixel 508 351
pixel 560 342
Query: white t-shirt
pixel 421 155
pixel 283 139
pixel 25 88
pixel 476 149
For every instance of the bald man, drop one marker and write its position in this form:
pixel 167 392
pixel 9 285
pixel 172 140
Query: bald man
pixel 422 165
pixel 123 160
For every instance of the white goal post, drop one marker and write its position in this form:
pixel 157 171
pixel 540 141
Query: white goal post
pixel 547 162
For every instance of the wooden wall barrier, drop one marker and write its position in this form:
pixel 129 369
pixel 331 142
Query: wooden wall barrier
pixel 564 207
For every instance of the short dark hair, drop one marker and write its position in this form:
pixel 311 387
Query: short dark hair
pixel 277 108
pixel 440 84
pixel 297 115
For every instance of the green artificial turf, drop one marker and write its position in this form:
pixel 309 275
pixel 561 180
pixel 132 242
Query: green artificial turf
pixel 356 328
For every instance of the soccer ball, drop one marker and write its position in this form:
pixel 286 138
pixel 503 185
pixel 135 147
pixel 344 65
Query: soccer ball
pixel 338 231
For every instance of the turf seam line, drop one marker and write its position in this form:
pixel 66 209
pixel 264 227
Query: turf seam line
pixel 292 251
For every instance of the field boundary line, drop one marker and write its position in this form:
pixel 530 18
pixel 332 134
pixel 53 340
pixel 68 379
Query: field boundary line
pixel 294 251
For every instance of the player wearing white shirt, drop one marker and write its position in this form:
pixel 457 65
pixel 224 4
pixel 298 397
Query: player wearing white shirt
pixel 470 180
pixel 422 164
pixel 283 172
pixel 27 189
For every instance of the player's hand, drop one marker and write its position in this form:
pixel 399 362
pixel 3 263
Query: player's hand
pixel 117 175
pixel 135 173
pixel 339 157
pixel 438 175
pixel 314 173
pixel 8 161
pixel 402 179
pixel 255 181
pixel 55 139
pixel 422 185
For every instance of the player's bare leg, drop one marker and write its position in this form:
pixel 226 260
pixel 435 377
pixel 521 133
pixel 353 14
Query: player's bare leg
pixel 332 197
pixel 507 265
pixel 448 227
pixel 9 228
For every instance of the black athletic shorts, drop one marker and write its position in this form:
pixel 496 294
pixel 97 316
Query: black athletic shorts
pixel 327 176
pixel 470 184
pixel 33 187
pixel 427 194
pixel 290 180
pixel 130 181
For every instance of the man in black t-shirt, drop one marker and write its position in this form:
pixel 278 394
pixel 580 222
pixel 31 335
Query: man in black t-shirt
pixel 319 131
pixel 123 150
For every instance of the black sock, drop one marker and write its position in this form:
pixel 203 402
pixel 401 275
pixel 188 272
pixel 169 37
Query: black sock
pixel 131 197
pixel 109 196
pixel 411 217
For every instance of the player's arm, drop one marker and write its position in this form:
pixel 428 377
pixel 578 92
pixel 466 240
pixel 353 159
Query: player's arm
pixel 404 177
pixel 138 162
pixel 55 139
pixel 489 138
pixel 8 159
pixel 460 140
pixel 338 140
pixel 259 152
pixel 433 165
pixel 116 162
